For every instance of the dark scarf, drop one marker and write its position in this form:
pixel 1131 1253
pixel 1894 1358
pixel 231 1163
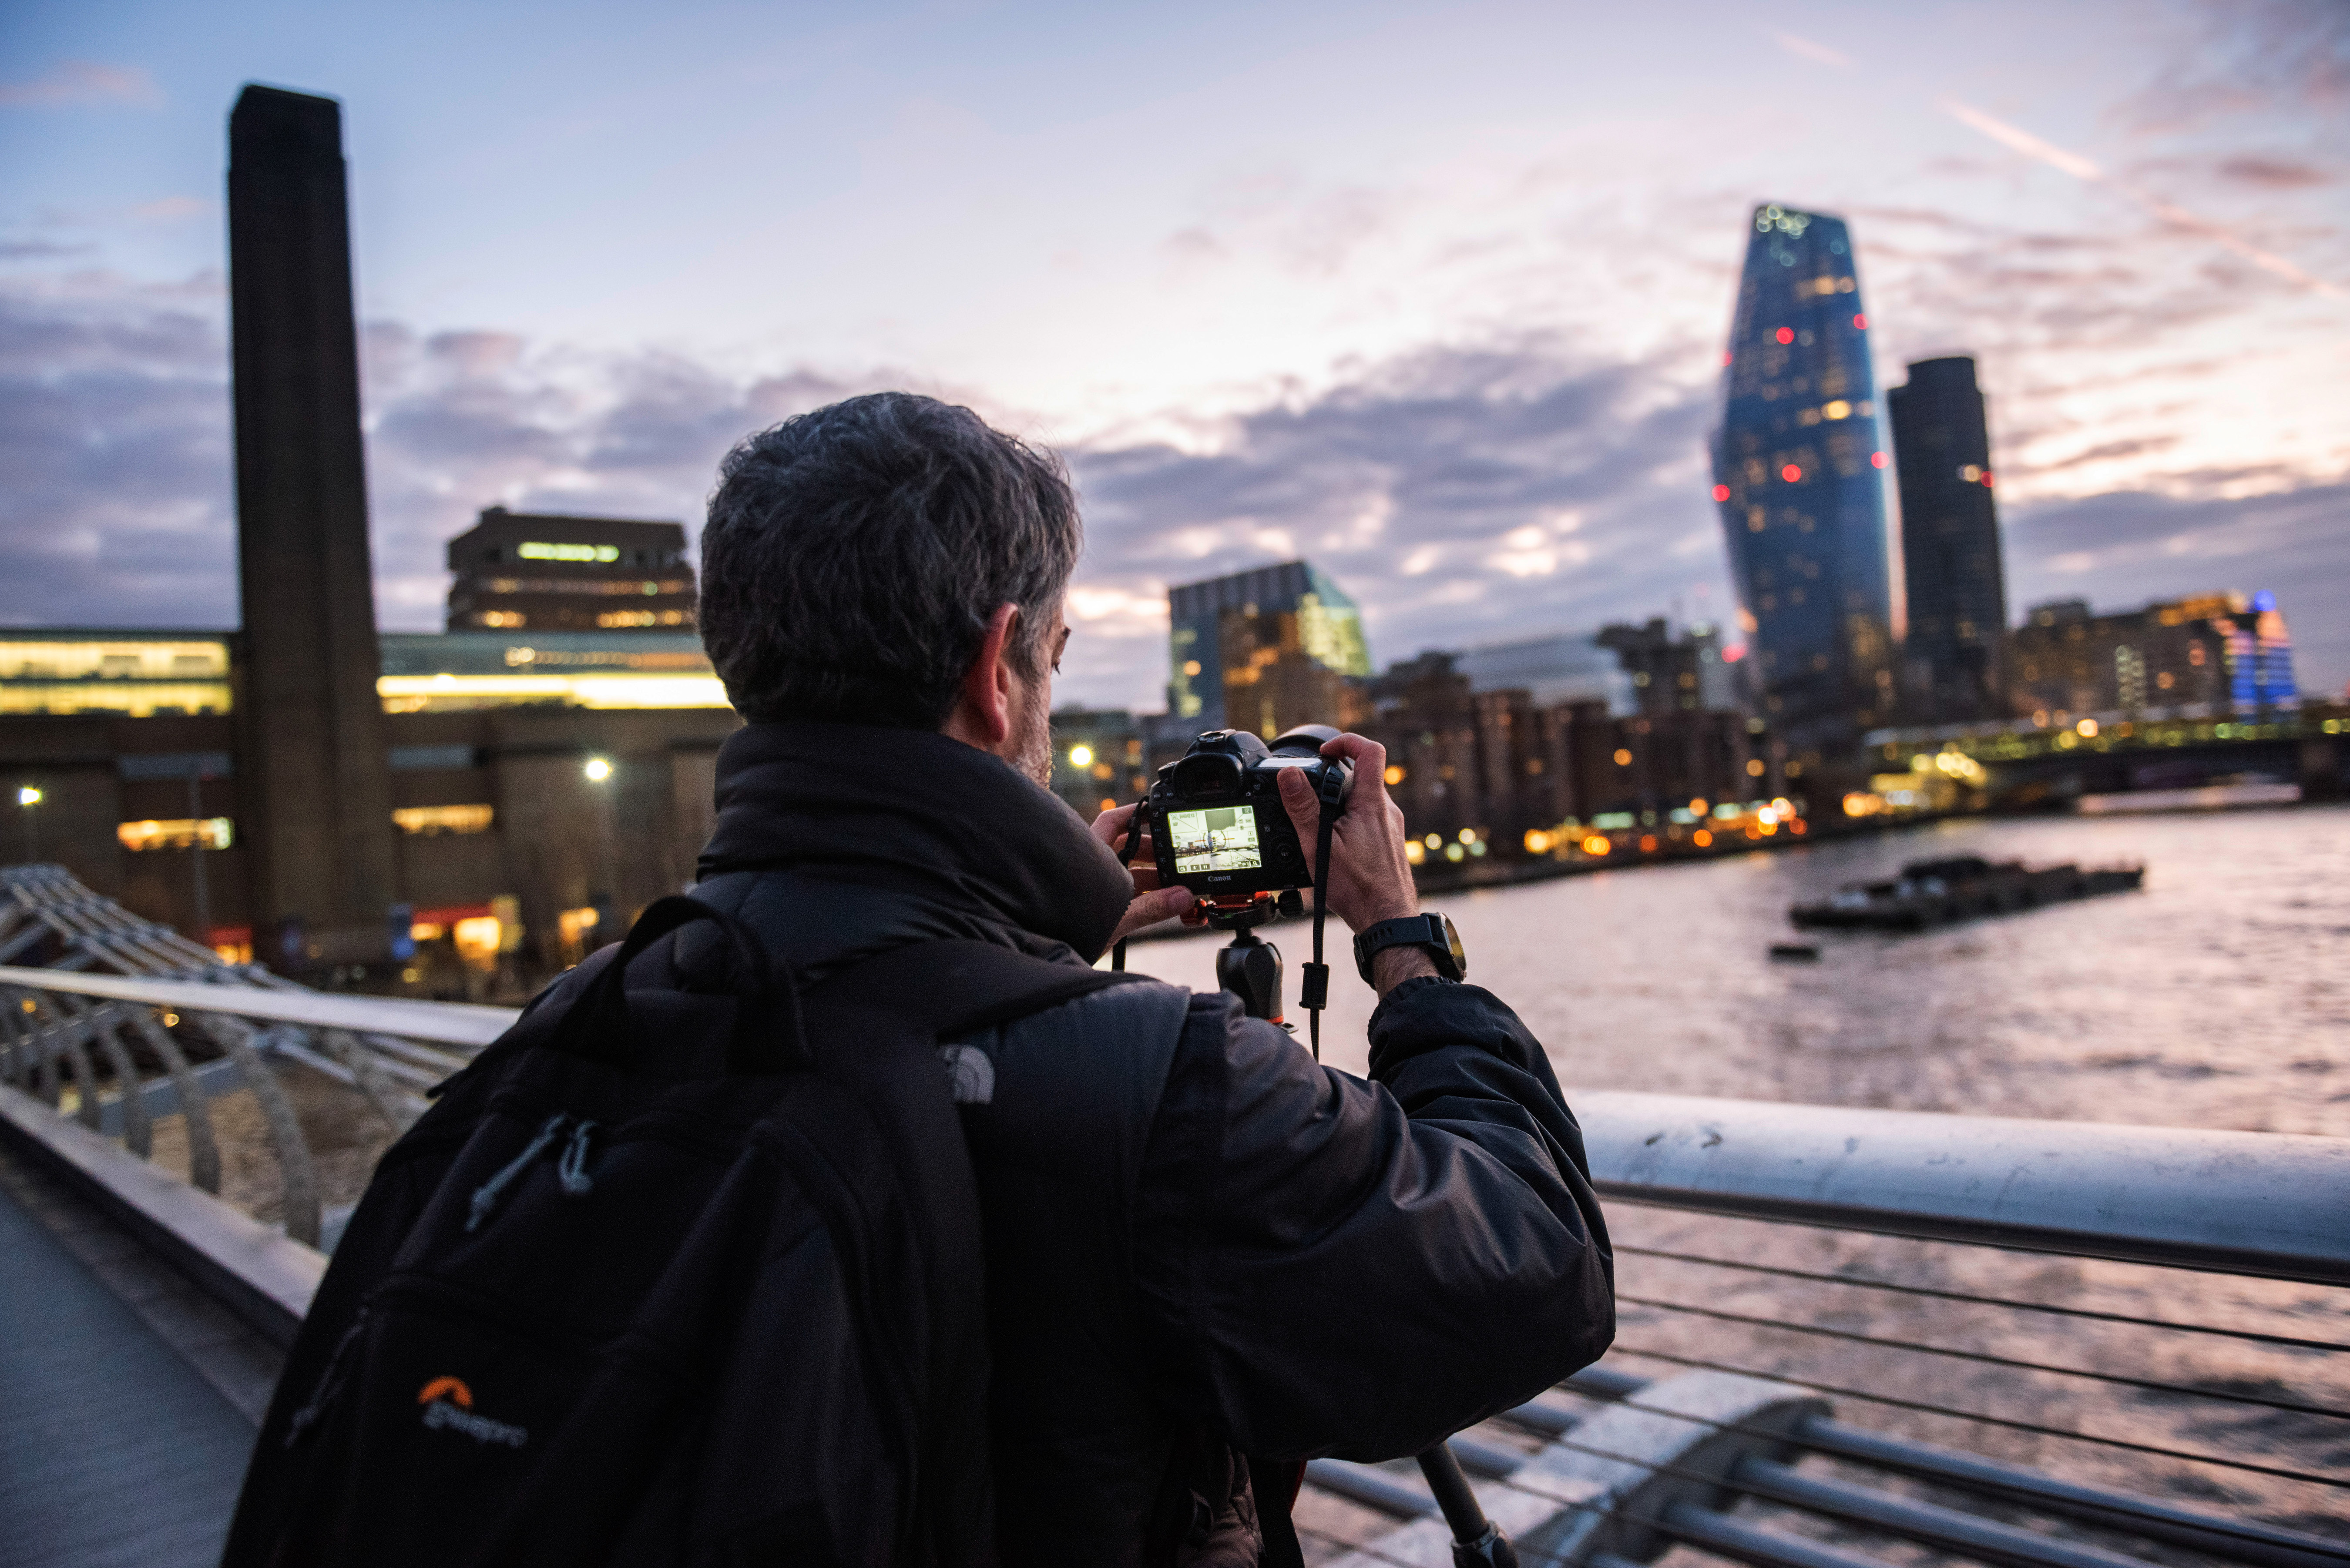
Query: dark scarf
pixel 919 813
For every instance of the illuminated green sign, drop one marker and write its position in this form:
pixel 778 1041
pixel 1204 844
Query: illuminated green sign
pixel 540 552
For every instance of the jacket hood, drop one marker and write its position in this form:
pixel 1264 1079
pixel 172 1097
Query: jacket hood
pixel 919 813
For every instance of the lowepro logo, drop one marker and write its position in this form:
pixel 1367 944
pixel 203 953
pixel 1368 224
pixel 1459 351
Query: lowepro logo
pixel 449 1406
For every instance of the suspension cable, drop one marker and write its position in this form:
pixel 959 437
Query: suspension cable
pixel 1864 1282
pixel 1987 1358
pixel 2333 1483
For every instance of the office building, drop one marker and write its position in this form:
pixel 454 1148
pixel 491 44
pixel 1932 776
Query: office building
pixel 1672 674
pixel 2193 657
pixel 310 734
pixel 1796 468
pixel 129 738
pixel 519 571
pixel 1489 767
pixel 1569 668
pixel 1950 545
pixel 1265 651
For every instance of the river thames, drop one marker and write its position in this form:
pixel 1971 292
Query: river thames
pixel 2218 996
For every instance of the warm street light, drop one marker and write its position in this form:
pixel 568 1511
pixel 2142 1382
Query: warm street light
pixel 27 797
pixel 598 769
pixel 1081 756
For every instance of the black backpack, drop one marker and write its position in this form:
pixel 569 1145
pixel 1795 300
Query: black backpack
pixel 664 1277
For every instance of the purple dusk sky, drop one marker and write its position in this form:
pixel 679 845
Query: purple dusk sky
pixel 1433 295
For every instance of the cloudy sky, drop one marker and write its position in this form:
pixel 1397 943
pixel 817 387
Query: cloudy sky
pixel 1434 296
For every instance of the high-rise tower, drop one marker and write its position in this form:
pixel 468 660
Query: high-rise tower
pixel 313 779
pixel 1949 543
pixel 1266 650
pixel 1795 464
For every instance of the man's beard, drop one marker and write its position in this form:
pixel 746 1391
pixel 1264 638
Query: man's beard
pixel 1033 725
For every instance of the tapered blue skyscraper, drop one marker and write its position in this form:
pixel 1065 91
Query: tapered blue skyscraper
pixel 1797 463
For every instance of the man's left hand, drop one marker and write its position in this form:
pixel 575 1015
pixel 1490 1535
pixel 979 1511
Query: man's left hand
pixel 1151 903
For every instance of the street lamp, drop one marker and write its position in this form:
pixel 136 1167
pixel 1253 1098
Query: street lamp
pixel 599 770
pixel 27 797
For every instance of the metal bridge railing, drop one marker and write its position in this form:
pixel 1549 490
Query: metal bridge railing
pixel 131 1022
pixel 2063 1346
pixel 1848 1338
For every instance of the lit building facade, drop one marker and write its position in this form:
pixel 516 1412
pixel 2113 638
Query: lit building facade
pixel 128 741
pixel 1265 651
pixel 1951 563
pixel 2213 654
pixel 1797 465
pixel 520 571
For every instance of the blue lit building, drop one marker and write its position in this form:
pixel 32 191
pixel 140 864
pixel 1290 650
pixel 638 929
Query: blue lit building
pixel 1797 462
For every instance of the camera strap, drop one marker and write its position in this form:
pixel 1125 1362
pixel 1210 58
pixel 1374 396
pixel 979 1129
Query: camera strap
pixel 1314 994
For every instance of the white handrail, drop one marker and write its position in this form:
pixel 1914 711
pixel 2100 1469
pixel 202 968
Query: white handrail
pixel 443 1022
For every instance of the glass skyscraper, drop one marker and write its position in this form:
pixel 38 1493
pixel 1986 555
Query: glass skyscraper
pixel 1265 649
pixel 1956 591
pixel 1796 470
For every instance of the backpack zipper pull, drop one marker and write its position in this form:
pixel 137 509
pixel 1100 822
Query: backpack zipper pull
pixel 485 1197
pixel 571 1169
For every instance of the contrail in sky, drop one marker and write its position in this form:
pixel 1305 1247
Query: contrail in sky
pixel 2179 217
pixel 2080 168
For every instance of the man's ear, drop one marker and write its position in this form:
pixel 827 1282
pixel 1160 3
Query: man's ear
pixel 982 710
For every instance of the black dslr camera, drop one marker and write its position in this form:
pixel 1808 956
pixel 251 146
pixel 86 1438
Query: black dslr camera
pixel 1217 824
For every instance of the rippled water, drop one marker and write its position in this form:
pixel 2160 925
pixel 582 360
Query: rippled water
pixel 2219 996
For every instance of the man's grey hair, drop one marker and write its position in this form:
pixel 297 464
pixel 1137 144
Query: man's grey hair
pixel 853 557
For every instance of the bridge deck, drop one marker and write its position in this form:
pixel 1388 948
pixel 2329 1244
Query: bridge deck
pixel 127 1400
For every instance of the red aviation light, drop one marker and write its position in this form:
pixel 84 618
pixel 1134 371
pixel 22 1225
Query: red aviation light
pixel 1721 493
pixel 1860 323
pixel 1877 460
pixel 1986 479
pixel 1790 473
pixel 1786 335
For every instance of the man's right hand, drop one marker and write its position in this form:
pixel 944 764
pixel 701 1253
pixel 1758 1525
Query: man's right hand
pixel 1370 879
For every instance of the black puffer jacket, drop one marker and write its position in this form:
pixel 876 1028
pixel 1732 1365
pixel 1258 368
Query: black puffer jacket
pixel 1198 1240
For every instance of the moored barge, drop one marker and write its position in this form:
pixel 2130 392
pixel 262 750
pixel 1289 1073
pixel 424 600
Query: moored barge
pixel 1933 892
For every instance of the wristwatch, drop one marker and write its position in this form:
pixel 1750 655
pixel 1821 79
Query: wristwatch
pixel 1432 933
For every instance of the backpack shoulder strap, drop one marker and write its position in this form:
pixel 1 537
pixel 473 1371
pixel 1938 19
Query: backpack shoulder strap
pixel 954 985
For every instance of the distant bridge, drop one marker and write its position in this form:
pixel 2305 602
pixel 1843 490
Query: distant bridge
pixel 1967 1282
pixel 2062 755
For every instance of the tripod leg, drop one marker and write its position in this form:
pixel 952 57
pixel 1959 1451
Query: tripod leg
pixel 1477 1540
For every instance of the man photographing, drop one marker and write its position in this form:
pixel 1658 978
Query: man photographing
pixel 845 1214
pixel 1200 1244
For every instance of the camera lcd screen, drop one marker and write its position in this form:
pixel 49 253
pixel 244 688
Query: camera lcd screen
pixel 1221 839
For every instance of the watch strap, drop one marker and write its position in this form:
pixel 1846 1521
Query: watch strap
pixel 1425 931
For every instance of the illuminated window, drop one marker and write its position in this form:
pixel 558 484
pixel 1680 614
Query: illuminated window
pixel 537 551
pixel 176 833
pixel 433 820
pixel 1623 758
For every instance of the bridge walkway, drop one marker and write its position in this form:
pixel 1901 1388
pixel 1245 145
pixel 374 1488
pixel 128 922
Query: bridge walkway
pixel 128 1398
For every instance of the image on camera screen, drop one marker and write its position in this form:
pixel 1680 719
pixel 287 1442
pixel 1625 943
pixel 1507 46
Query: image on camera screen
pixel 1224 839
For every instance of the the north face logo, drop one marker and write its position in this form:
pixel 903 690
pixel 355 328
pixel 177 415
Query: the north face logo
pixel 449 1405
